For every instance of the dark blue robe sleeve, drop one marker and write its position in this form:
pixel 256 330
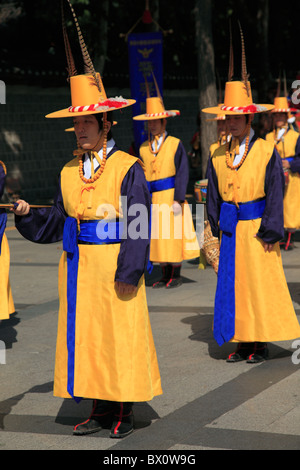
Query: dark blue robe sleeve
pixel 134 252
pixel 271 229
pixel 182 173
pixel 213 199
pixel 44 225
pixel 2 180
pixel 2 186
pixel 295 163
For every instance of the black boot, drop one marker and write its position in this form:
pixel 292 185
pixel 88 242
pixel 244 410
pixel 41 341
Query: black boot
pixel 175 279
pixel 123 420
pixel 100 418
pixel 166 272
pixel 259 353
pixel 241 353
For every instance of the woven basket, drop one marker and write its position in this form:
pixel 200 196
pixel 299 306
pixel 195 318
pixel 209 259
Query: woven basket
pixel 211 247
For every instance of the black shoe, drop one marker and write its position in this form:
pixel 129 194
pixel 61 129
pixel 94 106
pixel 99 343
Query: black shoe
pixel 260 353
pixel 159 284
pixel 174 283
pixel 88 427
pixel 101 418
pixel 255 358
pixel 174 280
pixel 241 354
pixel 235 357
pixel 123 421
pixel 166 271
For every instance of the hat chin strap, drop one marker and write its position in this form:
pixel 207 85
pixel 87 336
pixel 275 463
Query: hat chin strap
pixel 100 143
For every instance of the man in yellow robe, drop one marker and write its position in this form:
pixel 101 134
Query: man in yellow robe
pixel 105 349
pixel 245 209
pixel 173 237
pixel 6 299
pixel 287 143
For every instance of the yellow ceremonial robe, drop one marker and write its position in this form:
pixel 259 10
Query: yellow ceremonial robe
pixel 6 299
pixel 263 307
pixel 291 201
pixel 173 237
pixel 213 147
pixel 115 356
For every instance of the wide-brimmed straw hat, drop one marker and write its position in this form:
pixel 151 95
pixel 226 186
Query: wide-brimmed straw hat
pixel 238 95
pixel 87 91
pixel 281 105
pixel 221 116
pixel 238 100
pixel 87 98
pixel 155 108
pixel 72 129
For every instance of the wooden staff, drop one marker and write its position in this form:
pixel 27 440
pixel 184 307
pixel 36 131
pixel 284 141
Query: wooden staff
pixel 15 205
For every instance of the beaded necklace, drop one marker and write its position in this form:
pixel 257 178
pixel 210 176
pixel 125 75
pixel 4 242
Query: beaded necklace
pixel 229 158
pixel 99 172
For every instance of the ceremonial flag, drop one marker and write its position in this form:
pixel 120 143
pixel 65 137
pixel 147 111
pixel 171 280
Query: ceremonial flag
pixel 145 57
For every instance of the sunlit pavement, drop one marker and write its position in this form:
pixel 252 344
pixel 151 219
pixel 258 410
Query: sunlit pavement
pixel 207 403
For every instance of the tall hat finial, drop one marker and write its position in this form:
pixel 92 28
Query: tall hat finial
pixel 281 104
pixel 238 96
pixel 87 91
pixel 245 75
pixel 70 60
pixel 155 106
pixel 88 64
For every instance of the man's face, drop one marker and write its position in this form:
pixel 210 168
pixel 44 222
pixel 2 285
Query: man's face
pixel 87 131
pixel 236 124
pixel 157 126
pixel 279 119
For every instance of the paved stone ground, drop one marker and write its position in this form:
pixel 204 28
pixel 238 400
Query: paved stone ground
pixel 207 403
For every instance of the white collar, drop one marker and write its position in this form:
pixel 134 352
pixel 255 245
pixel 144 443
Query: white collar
pixel 87 160
pixel 251 134
pixel 239 156
pixel 159 141
pixel 280 133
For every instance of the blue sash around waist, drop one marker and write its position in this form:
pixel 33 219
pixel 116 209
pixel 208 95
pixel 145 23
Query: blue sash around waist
pixel 224 312
pixel 99 232
pixel 95 232
pixel 153 187
pixel 161 185
pixel 289 159
pixel 3 220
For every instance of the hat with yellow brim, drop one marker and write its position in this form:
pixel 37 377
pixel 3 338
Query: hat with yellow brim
pixel 281 105
pixel 87 91
pixel 238 100
pixel 87 99
pixel 219 117
pixel 155 110
pixel 72 129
